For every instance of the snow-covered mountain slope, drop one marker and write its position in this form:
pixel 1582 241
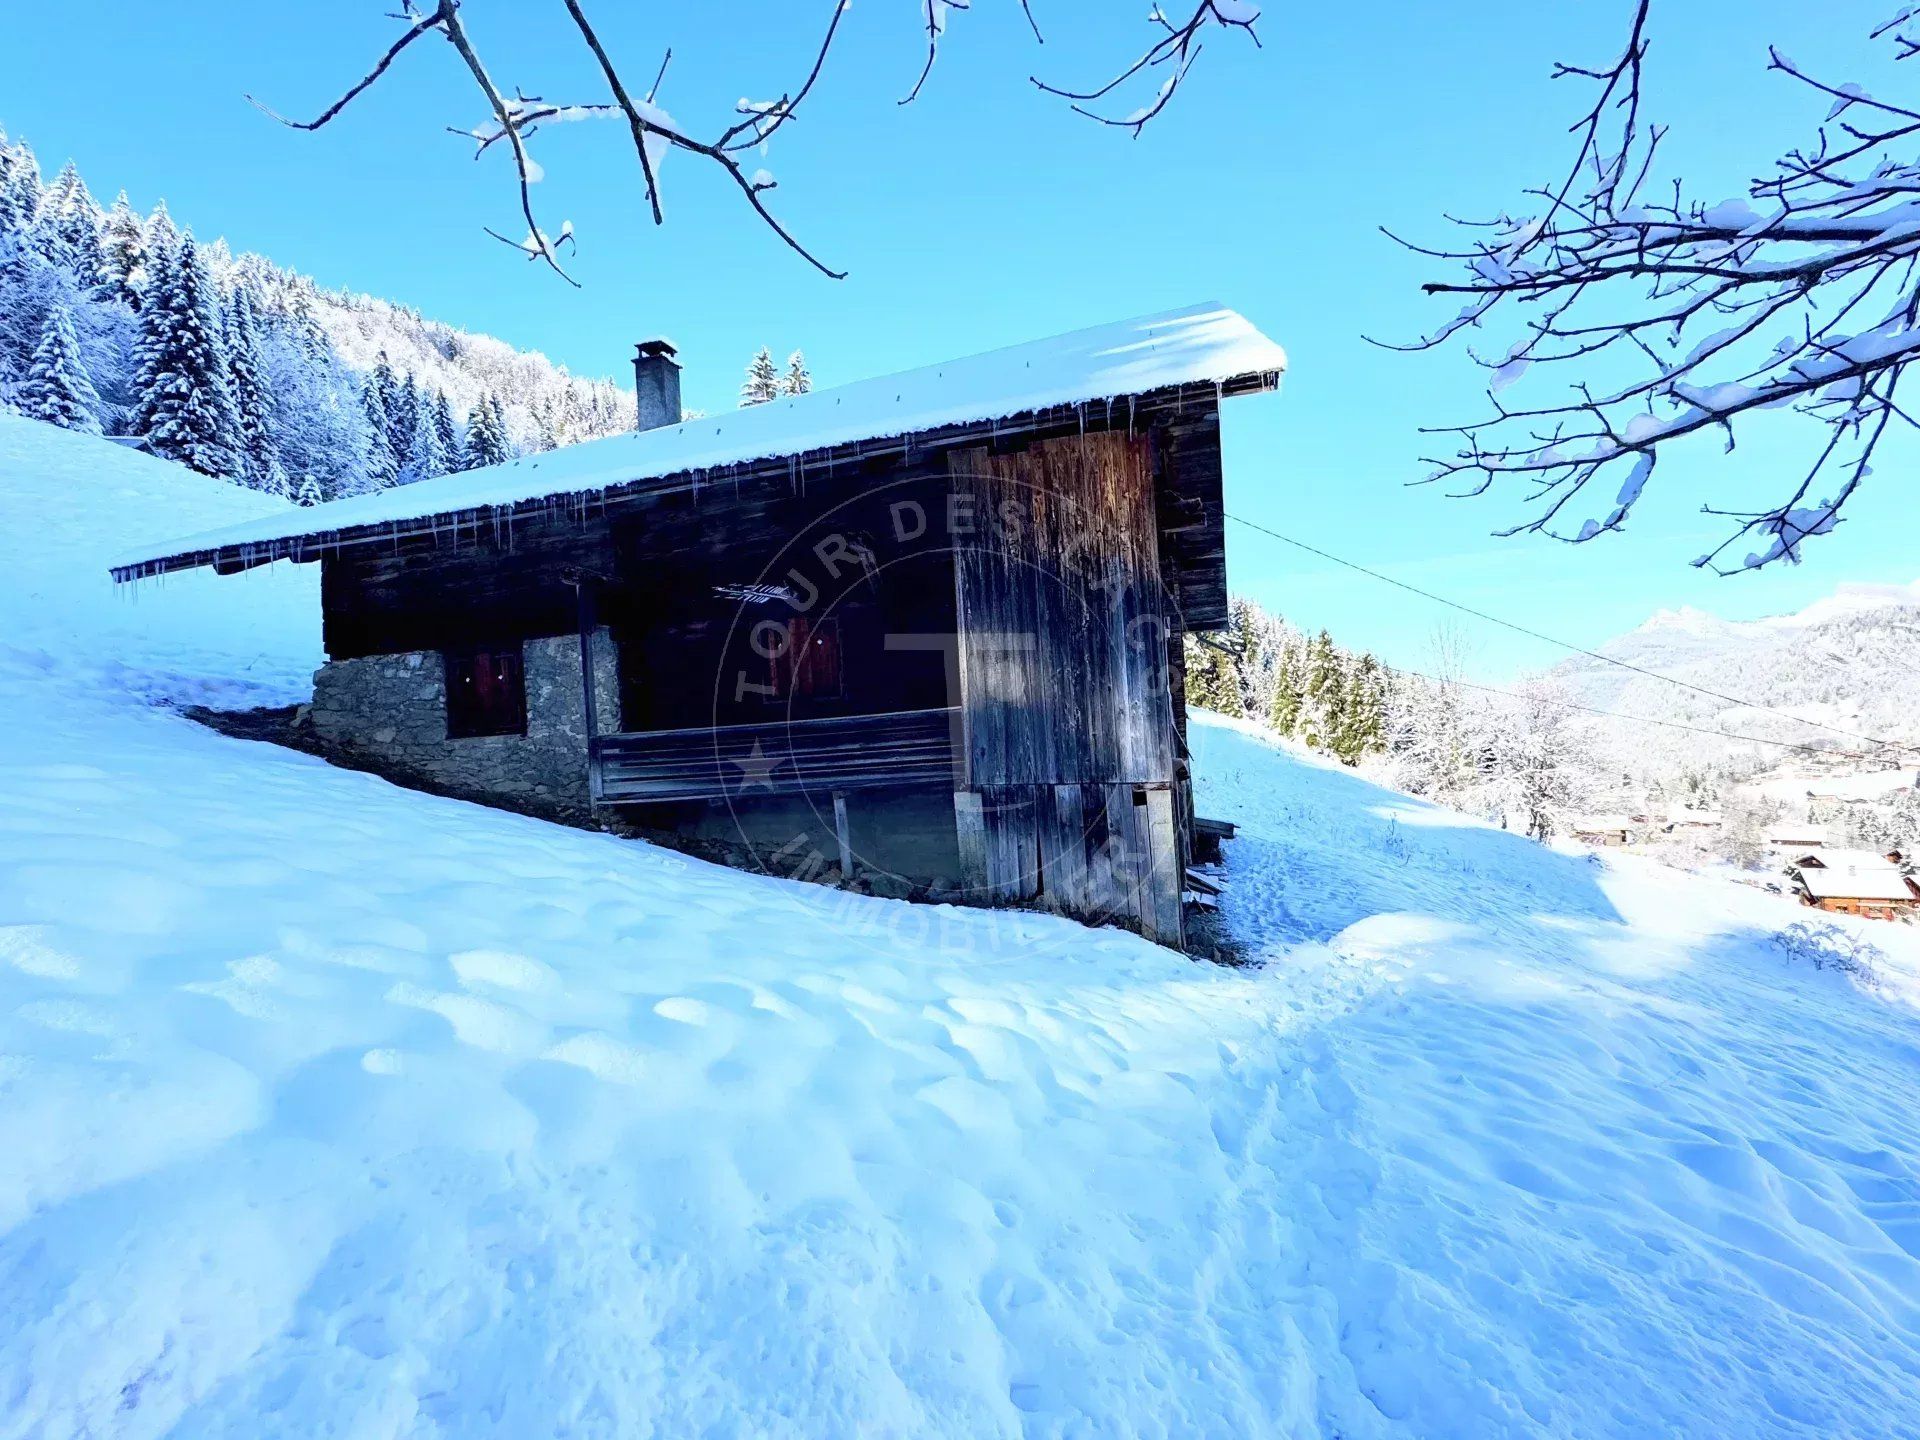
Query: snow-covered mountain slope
pixel 327 1108
pixel 1851 660
pixel 68 504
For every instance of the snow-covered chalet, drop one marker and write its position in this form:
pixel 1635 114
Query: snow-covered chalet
pixel 926 629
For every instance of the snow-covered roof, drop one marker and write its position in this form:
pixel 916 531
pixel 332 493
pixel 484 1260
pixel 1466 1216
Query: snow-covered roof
pixel 1812 835
pixel 1855 875
pixel 1594 824
pixel 1202 344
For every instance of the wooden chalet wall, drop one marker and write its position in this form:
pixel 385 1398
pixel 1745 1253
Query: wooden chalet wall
pixel 1069 723
pixel 678 554
pixel 1096 542
pixel 468 587
pixel 1192 508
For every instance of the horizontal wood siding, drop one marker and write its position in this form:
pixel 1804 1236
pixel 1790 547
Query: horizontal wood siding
pixel 1192 510
pixel 851 752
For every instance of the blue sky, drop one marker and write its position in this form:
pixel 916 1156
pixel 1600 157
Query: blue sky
pixel 986 214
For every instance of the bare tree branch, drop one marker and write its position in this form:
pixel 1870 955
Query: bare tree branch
pixel 414 32
pixel 1660 309
pixel 536 241
pixel 653 132
pixel 1178 48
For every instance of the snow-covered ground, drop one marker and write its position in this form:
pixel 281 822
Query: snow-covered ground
pixel 327 1108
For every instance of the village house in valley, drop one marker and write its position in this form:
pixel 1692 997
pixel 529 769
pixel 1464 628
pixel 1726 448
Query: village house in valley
pixel 1791 838
pixel 1857 882
pixel 1609 830
pixel 927 627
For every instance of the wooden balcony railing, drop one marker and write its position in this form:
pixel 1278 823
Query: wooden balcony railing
pixel 778 757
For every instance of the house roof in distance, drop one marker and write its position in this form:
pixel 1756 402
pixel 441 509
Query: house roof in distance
pixel 1201 345
pixel 1854 875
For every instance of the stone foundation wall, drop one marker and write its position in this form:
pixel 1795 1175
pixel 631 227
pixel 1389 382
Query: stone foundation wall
pixel 388 713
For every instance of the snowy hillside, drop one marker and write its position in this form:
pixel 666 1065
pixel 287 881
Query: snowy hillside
pixel 1851 660
pixel 332 1108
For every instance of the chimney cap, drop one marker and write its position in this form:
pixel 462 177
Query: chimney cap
pixel 657 348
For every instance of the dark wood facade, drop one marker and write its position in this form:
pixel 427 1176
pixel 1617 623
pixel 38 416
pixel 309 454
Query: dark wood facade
pixel 993 613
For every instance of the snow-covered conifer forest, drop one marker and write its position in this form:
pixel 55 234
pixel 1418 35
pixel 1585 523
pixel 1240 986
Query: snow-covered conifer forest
pixel 1587 734
pixel 126 324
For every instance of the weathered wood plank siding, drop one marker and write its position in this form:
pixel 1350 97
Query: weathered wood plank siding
pixel 1072 741
pixel 1188 487
pixel 1062 648
pixel 779 757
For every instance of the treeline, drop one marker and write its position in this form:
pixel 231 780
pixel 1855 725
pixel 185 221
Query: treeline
pixel 118 323
pixel 1519 759
pixel 1261 668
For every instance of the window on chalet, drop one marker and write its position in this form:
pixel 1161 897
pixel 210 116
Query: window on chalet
pixel 809 668
pixel 486 692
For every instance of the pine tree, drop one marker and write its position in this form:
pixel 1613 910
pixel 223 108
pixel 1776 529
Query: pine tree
pixel 1320 712
pixel 252 396
pixel 56 388
pixel 403 417
pixel 308 492
pixel 502 435
pixel 185 409
pixel 68 224
pixel 548 426
pixel 486 437
pixel 425 458
pixel 19 187
pixel 1290 689
pixel 274 481
pixel 763 381
pixel 1361 728
pixel 798 380
pixel 380 472
pixel 1257 640
pixel 444 434
pixel 1212 681
pixel 312 339
pixel 160 241
pixel 123 249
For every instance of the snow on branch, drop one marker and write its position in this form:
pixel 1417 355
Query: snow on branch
pixel 514 119
pixel 1671 315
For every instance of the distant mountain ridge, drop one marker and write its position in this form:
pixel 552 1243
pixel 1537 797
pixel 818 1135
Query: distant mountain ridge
pixel 1850 660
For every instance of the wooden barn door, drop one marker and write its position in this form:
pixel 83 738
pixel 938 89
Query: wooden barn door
pixel 1068 719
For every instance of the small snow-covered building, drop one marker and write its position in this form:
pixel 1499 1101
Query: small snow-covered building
pixel 926 629
pixel 1796 839
pixel 1856 882
pixel 1607 830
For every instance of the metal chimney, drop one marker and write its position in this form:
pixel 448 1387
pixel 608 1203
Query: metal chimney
pixel 656 384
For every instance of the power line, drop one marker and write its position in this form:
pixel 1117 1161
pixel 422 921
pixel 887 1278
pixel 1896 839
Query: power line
pixel 1576 649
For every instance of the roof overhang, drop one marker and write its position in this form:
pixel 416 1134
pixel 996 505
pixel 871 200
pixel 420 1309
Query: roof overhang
pixel 1134 369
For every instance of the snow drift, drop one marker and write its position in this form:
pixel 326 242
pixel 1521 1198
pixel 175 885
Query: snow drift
pixel 330 1108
